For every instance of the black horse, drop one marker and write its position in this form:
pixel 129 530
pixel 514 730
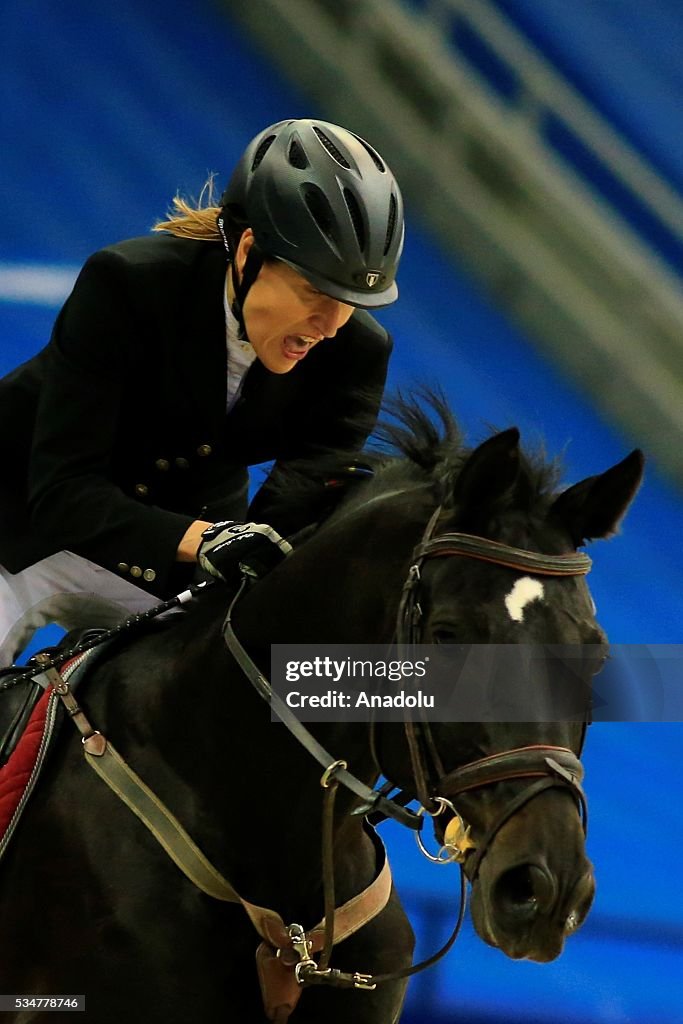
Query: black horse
pixel 91 903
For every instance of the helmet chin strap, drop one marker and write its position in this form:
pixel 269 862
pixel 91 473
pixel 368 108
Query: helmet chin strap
pixel 250 271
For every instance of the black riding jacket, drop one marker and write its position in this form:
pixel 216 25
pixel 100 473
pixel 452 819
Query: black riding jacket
pixel 115 437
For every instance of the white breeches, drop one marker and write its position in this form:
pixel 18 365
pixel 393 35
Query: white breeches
pixel 66 590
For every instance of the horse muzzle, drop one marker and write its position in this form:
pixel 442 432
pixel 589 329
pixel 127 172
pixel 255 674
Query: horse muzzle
pixel 528 909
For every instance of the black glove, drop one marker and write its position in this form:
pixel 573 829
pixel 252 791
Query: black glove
pixel 229 548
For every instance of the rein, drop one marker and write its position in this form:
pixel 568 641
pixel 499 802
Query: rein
pixel 372 799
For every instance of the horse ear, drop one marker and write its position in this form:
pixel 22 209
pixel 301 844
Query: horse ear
pixel 595 507
pixel 490 471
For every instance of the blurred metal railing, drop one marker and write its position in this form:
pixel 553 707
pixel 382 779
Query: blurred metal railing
pixel 543 91
pixel 482 133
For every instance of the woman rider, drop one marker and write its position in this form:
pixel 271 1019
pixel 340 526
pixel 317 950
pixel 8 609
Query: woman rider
pixel 125 442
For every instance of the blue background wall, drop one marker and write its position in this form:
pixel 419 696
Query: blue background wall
pixel 105 114
pixel 623 56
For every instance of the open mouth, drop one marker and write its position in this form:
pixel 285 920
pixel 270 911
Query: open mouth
pixel 296 346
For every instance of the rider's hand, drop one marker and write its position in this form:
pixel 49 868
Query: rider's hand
pixel 229 548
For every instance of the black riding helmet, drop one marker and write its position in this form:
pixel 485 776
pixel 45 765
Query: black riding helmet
pixel 322 200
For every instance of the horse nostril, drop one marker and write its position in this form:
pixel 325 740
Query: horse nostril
pixel 524 891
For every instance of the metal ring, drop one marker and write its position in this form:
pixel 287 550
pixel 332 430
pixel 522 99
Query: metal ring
pixel 330 771
pixel 446 854
pixel 442 802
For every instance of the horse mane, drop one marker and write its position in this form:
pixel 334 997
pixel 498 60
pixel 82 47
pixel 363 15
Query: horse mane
pixel 416 444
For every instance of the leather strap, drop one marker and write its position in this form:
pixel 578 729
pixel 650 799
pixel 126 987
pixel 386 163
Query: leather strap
pixel 509 764
pixel 372 799
pixel 276 959
pixel 348 919
pixel 279 987
pixel 573 563
pixel 184 852
pixel 165 828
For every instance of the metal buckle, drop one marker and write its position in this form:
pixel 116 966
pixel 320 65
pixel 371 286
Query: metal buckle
pixel 300 944
pixel 302 947
pixel 307 970
pixel 363 981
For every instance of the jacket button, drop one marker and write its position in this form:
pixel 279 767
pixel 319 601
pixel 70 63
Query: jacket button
pixel 142 490
pixel 149 575
pixel 204 449
pixel 182 463
pixel 123 567
pixel 135 571
pixel 162 465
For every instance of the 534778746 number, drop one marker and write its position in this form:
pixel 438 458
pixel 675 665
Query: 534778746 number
pixel 31 1002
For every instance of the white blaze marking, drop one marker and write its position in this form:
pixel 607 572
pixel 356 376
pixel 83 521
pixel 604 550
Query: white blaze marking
pixel 523 593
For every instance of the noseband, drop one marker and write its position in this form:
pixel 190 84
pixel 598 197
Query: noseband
pixel 551 767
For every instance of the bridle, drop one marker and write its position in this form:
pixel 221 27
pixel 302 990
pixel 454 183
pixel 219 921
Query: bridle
pixel 548 766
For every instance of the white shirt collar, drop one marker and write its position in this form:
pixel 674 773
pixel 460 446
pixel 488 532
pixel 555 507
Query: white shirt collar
pixel 240 353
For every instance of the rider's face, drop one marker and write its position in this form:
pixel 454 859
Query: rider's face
pixel 285 316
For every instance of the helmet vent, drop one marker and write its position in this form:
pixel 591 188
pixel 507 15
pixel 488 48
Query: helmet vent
pixel 297 156
pixel 332 149
pixel 373 155
pixel 391 226
pixel 356 217
pixel 261 151
pixel 320 210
